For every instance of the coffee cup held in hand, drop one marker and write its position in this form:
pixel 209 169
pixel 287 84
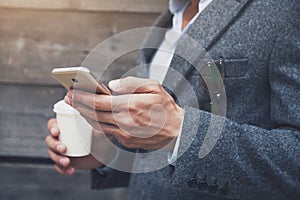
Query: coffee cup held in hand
pixel 75 131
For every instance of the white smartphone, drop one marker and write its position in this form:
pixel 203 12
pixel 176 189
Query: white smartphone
pixel 79 78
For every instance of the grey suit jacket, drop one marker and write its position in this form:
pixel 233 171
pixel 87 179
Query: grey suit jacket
pixel 258 153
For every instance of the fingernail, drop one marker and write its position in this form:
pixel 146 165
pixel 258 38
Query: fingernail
pixel 115 85
pixel 63 161
pixel 53 131
pixel 70 170
pixel 67 100
pixel 60 148
pixel 70 93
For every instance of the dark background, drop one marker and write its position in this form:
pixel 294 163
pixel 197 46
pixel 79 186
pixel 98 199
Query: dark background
pixel 35 36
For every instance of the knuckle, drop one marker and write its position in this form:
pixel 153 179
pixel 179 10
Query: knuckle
pixel 51 156
pixel 154 85
pixel 132 107
pixel 141 123
pixel 157 87
pixel 128 123
pixel 104 117
pixel 124 139
pixel 128 144
pixel 169 100
pixel 118 134
pixel 47 140
pixel 97 103
pixel 155 100
pixel 50 123
pixel 127 137
pixel 159 99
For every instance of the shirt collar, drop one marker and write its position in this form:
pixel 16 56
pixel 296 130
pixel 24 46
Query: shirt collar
pixel 176 5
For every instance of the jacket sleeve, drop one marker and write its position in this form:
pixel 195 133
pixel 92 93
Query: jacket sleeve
pixel 107 177
pixel 110 178
pixel 249 162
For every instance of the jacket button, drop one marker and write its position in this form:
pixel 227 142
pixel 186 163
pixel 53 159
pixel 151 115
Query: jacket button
pixel 192 182
pixel 213 188
pixel 202 185
pixel 171 170
pixel 224 190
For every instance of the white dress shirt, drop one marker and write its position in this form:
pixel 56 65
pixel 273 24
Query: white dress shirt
pixel 164 55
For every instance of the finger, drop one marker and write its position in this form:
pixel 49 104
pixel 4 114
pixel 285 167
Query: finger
pixel 94 101
pixel 93 121
pixel 53 127
pixel 94 124
pixel 68 100
pixel 97 129
pixel 100 134
pixel 59 170
pixel 130 85
pixel 109 129
pixel 95 115
pixel 59 160
pixel 66 172
pixel 115 131
pixel 99 102
pixel 55 145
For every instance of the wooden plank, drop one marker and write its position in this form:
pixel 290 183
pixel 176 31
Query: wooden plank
pixel 35 182
pixel 24 112
pixel 23 135
pixel 33 42
pixel 35 100
pixel 151 6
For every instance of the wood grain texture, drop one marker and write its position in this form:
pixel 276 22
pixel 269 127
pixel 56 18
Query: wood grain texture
pixel 23 134
pixel 30 182
pixel 30 99
pixel 151 6
pixel 24 112
pixel 33 42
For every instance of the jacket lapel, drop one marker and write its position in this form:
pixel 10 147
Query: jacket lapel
pixel 215 20
pixel 207 29
pixel 153 39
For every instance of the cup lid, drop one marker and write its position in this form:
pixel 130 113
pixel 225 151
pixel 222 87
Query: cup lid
pixel 62 107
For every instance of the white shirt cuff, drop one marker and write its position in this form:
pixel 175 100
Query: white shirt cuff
pixel 172 155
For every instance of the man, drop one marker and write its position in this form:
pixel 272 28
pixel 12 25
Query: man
pixel 257 154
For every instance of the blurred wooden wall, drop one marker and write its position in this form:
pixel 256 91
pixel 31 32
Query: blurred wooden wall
pixel 36 35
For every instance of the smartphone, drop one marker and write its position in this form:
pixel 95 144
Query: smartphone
pixel 79 78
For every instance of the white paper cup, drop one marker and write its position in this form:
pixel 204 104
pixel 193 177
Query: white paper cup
pixel 75 131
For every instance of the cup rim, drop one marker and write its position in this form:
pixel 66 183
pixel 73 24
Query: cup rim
pixel 61 107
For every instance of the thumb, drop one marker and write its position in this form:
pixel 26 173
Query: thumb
pixel 53 127
pixel 131 85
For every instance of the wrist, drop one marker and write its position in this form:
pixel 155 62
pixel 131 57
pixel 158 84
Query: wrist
pixel 176 127
pixel 178 122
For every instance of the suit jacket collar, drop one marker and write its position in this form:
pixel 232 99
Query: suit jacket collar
pixel 215 20
pixel 207 29
pixel 154 38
